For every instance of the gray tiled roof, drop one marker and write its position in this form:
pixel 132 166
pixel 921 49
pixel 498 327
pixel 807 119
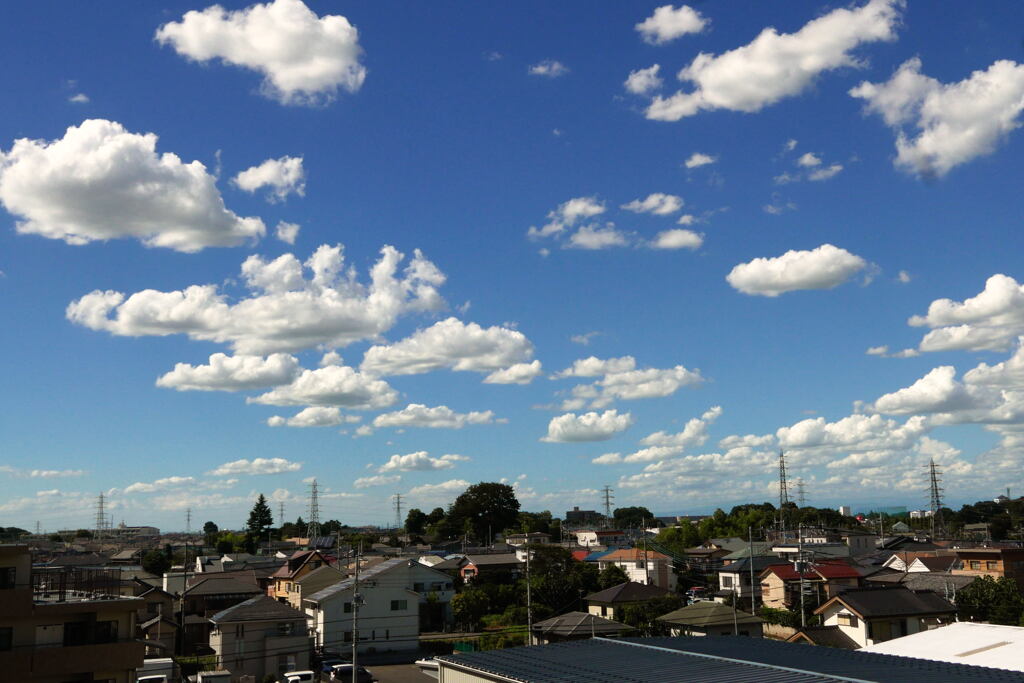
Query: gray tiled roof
pixel 630 591
pixel 711 659
pixel 579 623
pixel 364 575
pixel 895 601
pixel 260 608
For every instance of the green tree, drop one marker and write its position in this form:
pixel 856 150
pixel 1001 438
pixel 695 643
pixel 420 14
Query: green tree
pixel 156 562
pixel 677 539
pixel 210 531
pixel 530 522
pixel 612 575
pixel 643 616
pixel 633 517
pixel 416 521
pixel 557 581
pixel 469 607
pixel 483 509
pixel 435 516
pixel 260 519
pixel 997 601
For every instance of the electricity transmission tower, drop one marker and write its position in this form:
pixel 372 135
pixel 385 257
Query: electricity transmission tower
pixel 783 491
pixel 607 491
pixel 313 527
pixel 935 498
pixel 280 513
pixel 801 493
pixel 398 511
pixel 188 521
pixel 101 517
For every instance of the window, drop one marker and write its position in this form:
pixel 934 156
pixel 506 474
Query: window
pixel 75 633
pixel 348 608
pixel 6 637
pixel 239 630
pixel 726 580
pixel 848 620
pixel 387 634
pixel 418 587
pixel 975 564
pixel 285 628
pixel 7 576
pixel 991 565
pixel 106 632
pixel 348 636
pixel 398 605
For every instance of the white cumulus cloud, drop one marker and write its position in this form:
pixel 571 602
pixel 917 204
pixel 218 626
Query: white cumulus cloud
pixel 287 232
pixel 520 373
pixel 438 417
pixel 304 59
pixel 448 489
pixel 989 321
pixel 643 81
pixel 695 433
pixel 256 466
pixel 566 215
pixel 333 385
pixel 313 416
pixel 420 461
pixel 283 176
pixel 285 311
pixel 376 480
pixel 232 373
pixel 657 203
pixel 591 426
pixel 102 182
pixel 159 484
pixel 774 66
pixel 825 267
pixel 698 159
pixel 452 344
pixel 677 238
pixel 942 125
pixel 668 23
pixel 593 238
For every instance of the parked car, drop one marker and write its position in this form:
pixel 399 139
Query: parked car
pixel 299 676
pixel 343 672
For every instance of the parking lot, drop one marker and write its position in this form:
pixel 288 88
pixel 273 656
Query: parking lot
pixel 400 673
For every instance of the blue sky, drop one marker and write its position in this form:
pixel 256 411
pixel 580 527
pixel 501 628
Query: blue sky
pixel 800 231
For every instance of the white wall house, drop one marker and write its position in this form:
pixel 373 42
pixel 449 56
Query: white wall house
pixel 874 615
pixel 643 566
pixel 393 594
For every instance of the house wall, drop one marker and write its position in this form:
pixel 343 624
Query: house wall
pixel 380 627
pixel 659 573
pixel 258 648
pixel 872 631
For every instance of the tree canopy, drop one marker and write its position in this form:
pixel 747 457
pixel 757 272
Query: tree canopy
pixel 416 521
pixel 484 509
pixel 260 518
pixel 633 517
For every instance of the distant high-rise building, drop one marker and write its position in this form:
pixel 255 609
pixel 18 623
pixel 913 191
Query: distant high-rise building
pixel 845 510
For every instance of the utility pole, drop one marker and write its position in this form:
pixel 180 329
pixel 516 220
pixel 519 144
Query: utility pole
pixel 750 559
pixel 800 569
pixel 529 600
pixel 313 526
pixel 607 491
pixel 356 600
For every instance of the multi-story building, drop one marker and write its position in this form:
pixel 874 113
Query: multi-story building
pixel 392 596
pixel 57 627
pixel 260 637
pixel 994 562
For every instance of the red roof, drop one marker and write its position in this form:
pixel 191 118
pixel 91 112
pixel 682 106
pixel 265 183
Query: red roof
pixel 787 572
pixel 579 554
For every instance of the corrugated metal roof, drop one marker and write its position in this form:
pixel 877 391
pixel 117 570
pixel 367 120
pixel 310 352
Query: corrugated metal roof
pixel 711 659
